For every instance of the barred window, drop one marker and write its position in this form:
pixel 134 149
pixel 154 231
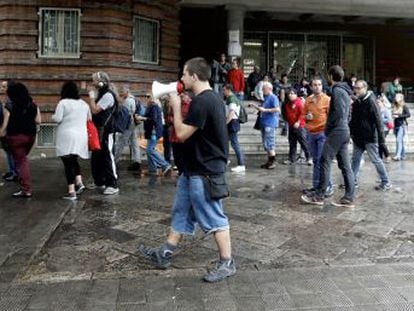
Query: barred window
pixel 146 40
pixel 59 33
pixel 46 136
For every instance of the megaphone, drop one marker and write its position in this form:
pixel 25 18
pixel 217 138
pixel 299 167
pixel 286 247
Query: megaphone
pixel 160 89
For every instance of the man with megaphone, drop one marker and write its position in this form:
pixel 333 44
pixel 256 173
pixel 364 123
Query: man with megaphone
pixel 202 184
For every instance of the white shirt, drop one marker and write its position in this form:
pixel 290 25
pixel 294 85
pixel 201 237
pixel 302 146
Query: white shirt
pixel 235 108
pixel 72 136
pixel 106 101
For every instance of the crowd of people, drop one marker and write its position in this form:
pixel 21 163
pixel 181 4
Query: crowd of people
pixel 323 116
pixel 197 126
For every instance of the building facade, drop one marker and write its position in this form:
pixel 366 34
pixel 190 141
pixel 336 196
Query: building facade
pixel 44 43
pixel 371 39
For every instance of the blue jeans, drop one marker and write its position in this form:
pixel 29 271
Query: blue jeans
pixel 268 138
pixel 400 133
pixel 372 150
pixel 155 160
pixel 10 163
pixel 234 141
pixel 336 145
pixel 193 205
pixel 315 143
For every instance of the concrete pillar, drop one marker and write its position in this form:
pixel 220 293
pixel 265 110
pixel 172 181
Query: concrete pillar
pixel 235 28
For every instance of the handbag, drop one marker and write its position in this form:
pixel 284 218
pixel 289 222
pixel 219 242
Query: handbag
pixel 257 123
pixel 216 186
pixel 93 136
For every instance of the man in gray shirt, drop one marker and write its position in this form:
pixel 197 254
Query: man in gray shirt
pixel 129 137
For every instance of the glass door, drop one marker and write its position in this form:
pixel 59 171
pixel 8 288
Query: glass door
pixel 254 54
pixel 288 56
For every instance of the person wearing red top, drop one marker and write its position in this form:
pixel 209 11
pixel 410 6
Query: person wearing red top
pixel 294 115
pixel 236 79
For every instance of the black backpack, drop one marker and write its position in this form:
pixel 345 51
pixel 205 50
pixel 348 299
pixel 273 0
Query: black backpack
pixel 120 119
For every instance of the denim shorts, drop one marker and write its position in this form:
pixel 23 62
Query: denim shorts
pixel 268 138
pixel 192 206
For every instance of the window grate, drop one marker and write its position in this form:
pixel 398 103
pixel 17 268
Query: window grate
pixel 59 31
pixel 46 136
pixel 146 40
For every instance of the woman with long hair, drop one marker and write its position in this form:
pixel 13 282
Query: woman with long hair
pixel 19 126
pixel 102 102
pixel 400 113
pixel 71 137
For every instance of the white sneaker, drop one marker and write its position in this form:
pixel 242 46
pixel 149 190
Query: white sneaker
pixel 239 169
pixel 110 191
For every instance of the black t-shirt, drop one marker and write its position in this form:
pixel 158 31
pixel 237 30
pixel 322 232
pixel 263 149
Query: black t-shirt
pixel 22 119
pixel 206 151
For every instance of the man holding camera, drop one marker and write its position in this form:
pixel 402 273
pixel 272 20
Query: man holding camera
pixel 201 185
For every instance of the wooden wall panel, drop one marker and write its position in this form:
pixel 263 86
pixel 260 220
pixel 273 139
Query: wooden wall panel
pixel 106 44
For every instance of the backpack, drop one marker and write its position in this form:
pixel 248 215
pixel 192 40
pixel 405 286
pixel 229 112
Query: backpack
pixel 243 117
pixel 121 119
pixel 139 107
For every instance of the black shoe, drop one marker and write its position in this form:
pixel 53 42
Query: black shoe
pixel 10 177
pixel 79 188
pixel 22 194
pixel 6 175
pixel 71 196
pixel 271 166
pixel 309 191
pixel 265 165
pixel 343 202
pixel 136 166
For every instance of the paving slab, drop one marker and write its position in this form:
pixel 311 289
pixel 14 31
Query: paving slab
pixel 57 255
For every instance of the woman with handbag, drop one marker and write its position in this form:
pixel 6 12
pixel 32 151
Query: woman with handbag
pixel 21 118
pixel 71 115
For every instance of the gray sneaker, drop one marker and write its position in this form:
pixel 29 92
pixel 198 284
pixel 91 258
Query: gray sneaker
pixel 159 258
pixel 383 187
pixel 222 270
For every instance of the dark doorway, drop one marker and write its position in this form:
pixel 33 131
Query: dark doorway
pixel 203 32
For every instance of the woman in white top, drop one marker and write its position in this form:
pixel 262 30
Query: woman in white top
pixel 71 116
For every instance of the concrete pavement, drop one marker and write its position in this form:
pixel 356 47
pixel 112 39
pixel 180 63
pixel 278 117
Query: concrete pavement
pixel 58 255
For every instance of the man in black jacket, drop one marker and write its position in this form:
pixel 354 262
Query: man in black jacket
pixel 367 133
pixel 337 141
